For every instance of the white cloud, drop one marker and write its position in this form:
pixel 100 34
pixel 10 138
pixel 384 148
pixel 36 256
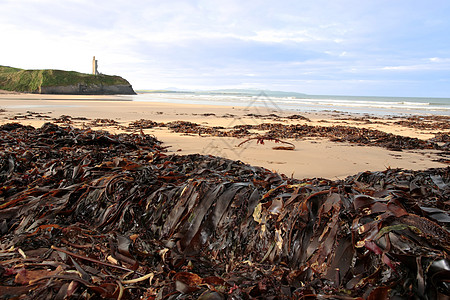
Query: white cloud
pixel 280 36
pixel 439 60
pixel 430 64
pixel 211 42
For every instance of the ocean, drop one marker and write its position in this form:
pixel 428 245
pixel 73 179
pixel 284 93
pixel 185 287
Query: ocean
pixel 381 106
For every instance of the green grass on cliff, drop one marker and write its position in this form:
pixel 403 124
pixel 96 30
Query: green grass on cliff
pixel 20 80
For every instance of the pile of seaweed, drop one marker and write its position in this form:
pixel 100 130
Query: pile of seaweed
pixel 349 134
pixel 426 122
pixel 87 214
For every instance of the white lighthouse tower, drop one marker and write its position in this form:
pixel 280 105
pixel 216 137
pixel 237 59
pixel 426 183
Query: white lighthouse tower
pixel 94 66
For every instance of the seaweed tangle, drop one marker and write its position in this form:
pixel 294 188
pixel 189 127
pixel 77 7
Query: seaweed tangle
pixel 338 133
pixel 86 214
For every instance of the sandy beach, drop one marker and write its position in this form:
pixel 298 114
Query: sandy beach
pixel 142 219
pixel 313 156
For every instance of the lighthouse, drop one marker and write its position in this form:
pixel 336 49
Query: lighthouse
pixel 94 66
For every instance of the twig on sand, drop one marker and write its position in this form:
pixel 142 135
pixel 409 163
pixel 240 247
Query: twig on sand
pixel 261 139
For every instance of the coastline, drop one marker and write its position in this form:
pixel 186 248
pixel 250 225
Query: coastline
pixel 312 157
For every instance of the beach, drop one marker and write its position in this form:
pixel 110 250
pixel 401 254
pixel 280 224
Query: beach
pixel 119 199
pixel 313 156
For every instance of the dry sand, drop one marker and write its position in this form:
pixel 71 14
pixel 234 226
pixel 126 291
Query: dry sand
pixel 312 157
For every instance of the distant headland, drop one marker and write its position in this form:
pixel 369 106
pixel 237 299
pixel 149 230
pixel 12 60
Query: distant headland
pixel 62 82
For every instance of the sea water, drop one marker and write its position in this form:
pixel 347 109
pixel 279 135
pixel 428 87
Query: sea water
pixel 310 103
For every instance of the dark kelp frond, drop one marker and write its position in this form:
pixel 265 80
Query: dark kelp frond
pixel 88 214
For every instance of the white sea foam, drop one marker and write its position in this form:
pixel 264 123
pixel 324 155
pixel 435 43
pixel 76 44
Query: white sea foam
pixel 370 105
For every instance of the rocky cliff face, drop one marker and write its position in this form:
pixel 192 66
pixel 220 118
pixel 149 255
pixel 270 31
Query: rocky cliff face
pixel 51 81
pixel 93 89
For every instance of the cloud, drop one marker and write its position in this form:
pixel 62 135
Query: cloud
pixel 428 64
pixel 347 45
pixel 439 60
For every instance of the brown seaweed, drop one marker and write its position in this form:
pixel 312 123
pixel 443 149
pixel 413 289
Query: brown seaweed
pixel 426 122
pixel 338 133
pixel 87 214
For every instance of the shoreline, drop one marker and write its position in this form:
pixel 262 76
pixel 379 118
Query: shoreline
pixel 312 157
pixel 364 105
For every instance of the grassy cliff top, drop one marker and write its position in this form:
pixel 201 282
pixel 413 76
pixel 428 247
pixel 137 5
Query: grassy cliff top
pixel 20 80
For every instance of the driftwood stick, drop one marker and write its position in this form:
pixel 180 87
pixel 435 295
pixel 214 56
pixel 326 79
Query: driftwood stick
pixel 261 139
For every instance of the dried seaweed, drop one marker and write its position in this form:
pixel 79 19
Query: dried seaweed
pixel 426 122
pixel 103 122
pixel 361 136
pixel 355 135
pixel 86 214
pixel 142 124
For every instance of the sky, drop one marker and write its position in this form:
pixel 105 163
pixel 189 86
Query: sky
pixel 321 47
